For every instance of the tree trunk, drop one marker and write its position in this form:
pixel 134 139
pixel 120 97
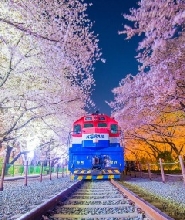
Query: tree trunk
pixel 9 149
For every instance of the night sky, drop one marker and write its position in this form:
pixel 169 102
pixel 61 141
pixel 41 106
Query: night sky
pixel 118 52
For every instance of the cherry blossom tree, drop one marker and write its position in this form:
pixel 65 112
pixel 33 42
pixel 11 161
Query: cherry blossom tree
pixel 165 134
pixel 161 75
pixel 68 39
pixel 161 52
pixel 160 82
pixel 47 54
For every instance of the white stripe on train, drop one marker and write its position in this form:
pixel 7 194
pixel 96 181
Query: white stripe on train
pixel 78 140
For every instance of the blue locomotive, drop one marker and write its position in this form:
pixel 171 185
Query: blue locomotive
pixel 95 151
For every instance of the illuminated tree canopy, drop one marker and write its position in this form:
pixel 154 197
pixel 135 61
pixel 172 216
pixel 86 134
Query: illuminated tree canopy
pixel 47 54
pixel 159 86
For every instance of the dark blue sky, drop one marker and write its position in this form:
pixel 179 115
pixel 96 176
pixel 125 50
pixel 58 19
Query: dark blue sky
pixel 118 52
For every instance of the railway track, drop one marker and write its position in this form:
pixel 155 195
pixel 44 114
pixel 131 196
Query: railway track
pixel 92 200
pixel 104 200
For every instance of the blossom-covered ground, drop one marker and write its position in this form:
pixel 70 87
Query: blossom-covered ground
pixel 172 192
pixel 17 199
